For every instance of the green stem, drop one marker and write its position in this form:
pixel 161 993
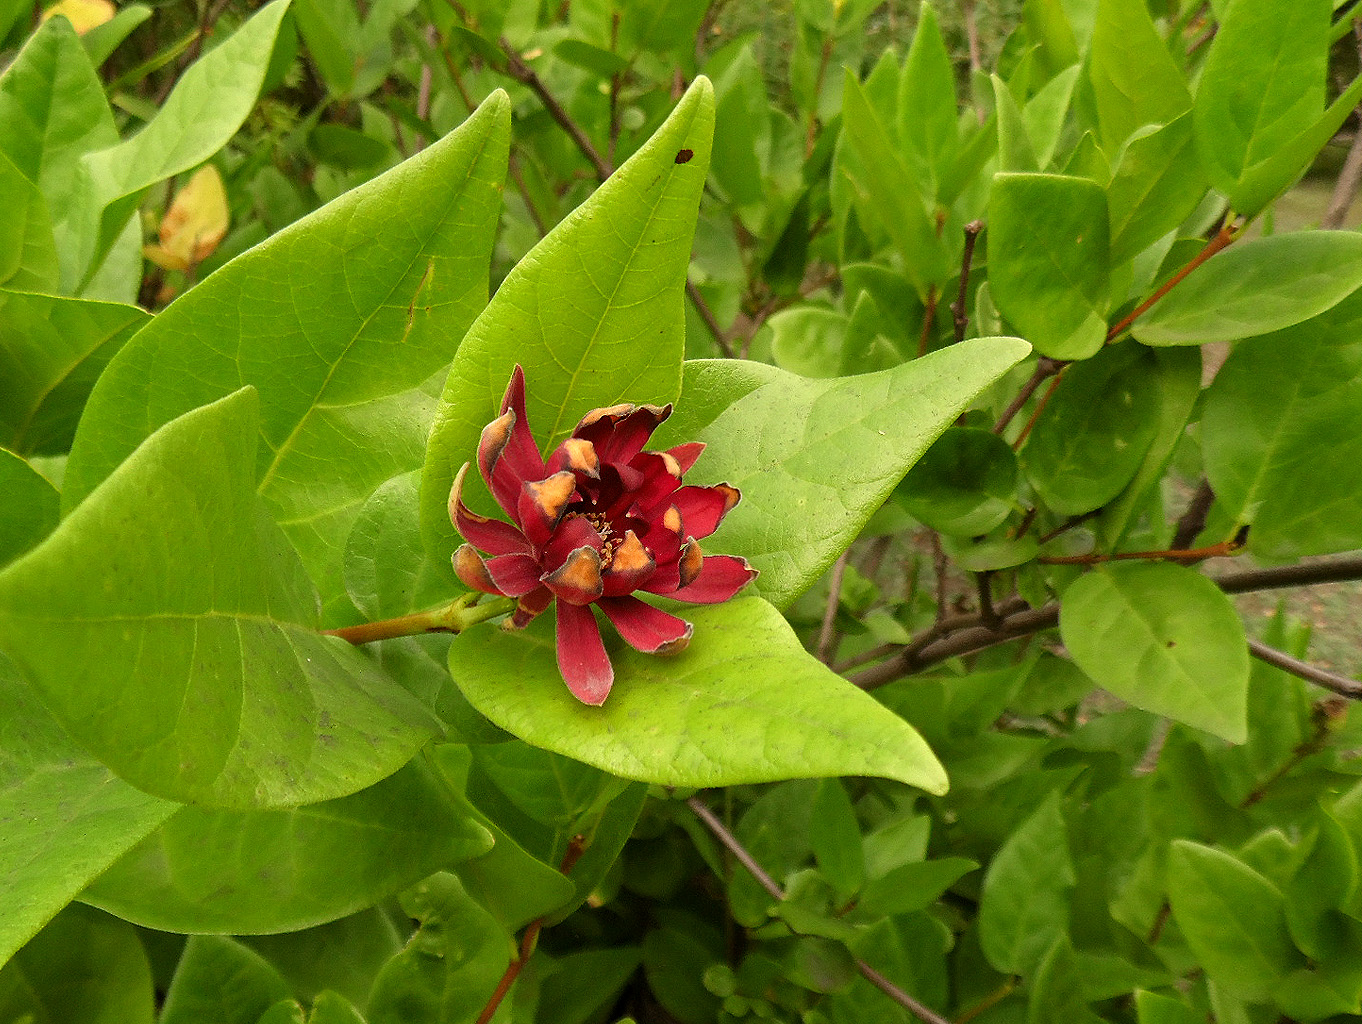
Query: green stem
pixel 454 617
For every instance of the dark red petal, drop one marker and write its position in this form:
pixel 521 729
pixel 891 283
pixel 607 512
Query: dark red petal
pixel 646 628
pixel 703 507
pixel 515 575
pixel 507 455
pixel 491 535
pixel 663 535
pixel 686 454
pixel 582 660
pixel 690 562
pixel 721 577
pixel 529 607
pixel 630 564
pixel 472 570
pixel 619 432
pixel 578 455
pixel 661 478
pixel 542 504
pixel 578 579
pixel 573 532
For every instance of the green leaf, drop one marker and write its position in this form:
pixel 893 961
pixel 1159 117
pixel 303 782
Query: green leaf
pixel 387 570
pixel 66 817
pixel 888 186
pixel 1046 114
pixel 585 983
pixel 911 887
pixel 836 837
pixel 1152 1008
pixel 1155 187
pixel 1263 83
pixel 965 484
pixel 101 41
pixel 243 703
pixel 743 703
pixel 84 966
pixel 927 114
pixel 1048 261
pixel 252 872
pixel 52 112
pixel 594 314
pixel 221 980
pixel 1095 430
pixel 1268 414
pixel 808 340
pixel 208 104
pixel 1164 638
pixel 741 113
pixel 28 252
pixel 1015 152
pixel 1232 917
pixel 29 512
pixel 1256 287
pixel 1024 906
pixel 1057 988
pixel 344 366
pixel 52 350
pixel 814 459
pixel 601 63
pixel 1135 81
pixel 450 967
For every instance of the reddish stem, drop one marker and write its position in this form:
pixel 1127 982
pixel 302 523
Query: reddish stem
pixel 1222 238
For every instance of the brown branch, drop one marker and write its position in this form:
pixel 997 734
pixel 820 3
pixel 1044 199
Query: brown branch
pixel 1045 369
pixel 525 75
pixel 730 842
pixel 827 635
pixel 1339 570
pixel 1339 684
pixel 529 939
pixel 960 307
pixel 1350 176
pixel 1223 237
pixel 1040 408
pixel 711 321
pixel 928 322
pixel 1193 519
pixel 1224 549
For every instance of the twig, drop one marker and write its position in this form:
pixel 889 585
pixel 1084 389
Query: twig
pixel 1193 519
pixel 1223 237
pixel 454 617
pixel 1040 408
pixel 827 636
pixel 711 321
pixel 1339 684
pixel 988 616
pixel 960 307
pixel 1045 369
pixel 928 322
pixel 730 842
pixel 529 939
pixel 940 565
pixel 1350 176
pixel 1224 549
pixel 1339 570
pixel 525 75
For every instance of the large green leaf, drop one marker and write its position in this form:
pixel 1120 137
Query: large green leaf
pixel 448 970
pixel 1095 430
pixel 208 104
pixel 340 321
pixel 593 314
pixel 1164 638
pixel 1263 83
pixel 52 112
pixel 1135 81
pixel 84 966
pixel 28 252
pixel 1257 287
pixel 52 350
pixel 1154 188
pixel 171 629
pixel 29 512
pixel 221 980
pixel 1283 436
pixel 63 815
pixel 1048 260
pixel 928 119
pixel 743 703
pixel 1232 918
pixel 814 459
pixel 251 872
pixel 1024 906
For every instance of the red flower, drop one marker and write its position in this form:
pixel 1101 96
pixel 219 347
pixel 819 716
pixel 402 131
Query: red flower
pixel 595 521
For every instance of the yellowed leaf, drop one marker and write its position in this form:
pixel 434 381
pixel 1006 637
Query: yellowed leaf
pixel 194 224
pixel 83 14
